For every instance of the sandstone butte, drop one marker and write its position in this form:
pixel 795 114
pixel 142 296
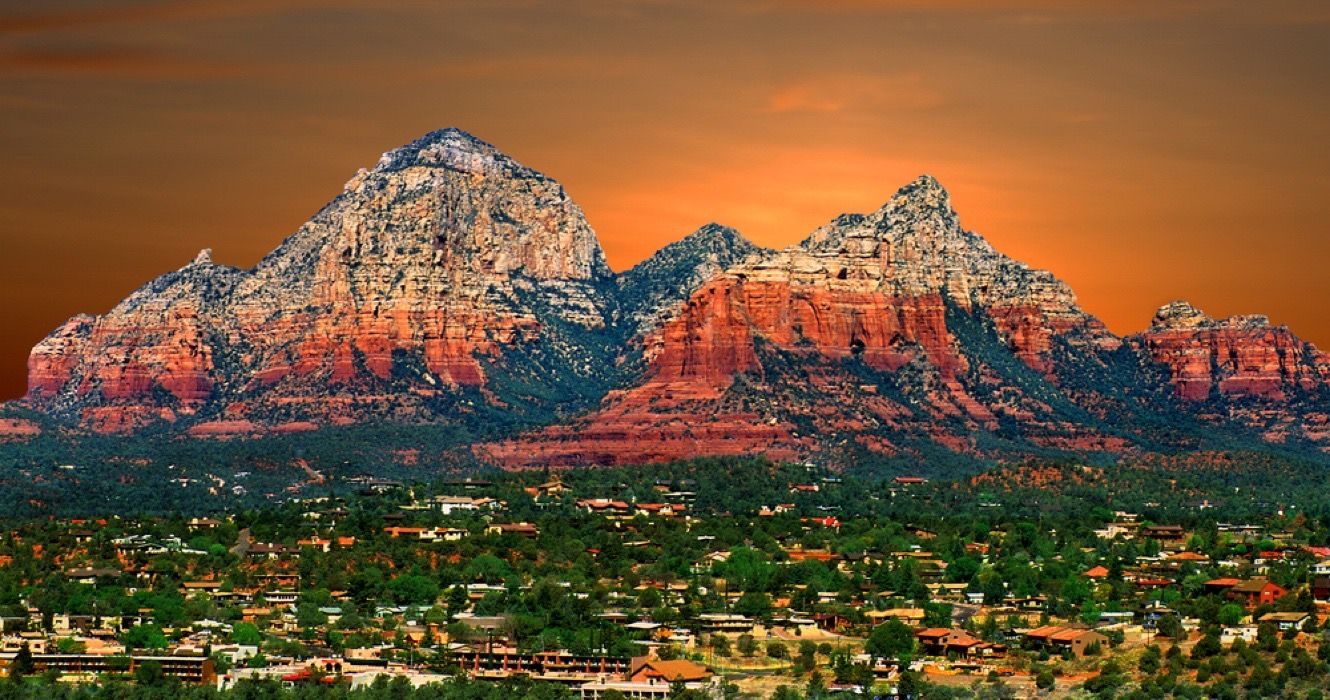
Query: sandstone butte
pixel 449 280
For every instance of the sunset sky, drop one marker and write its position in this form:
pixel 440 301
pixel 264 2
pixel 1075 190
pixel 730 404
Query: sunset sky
pixel 1142 151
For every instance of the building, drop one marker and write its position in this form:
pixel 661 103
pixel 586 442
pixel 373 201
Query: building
pixel 520 529
pixel 1285 620
pixel 1097 572
pixel 554 487
pixel 451 504
pixel 1321 588
pixel 1164 533
pixel 910 616
pixel 713 623
pixel 1255 592
pixel 939 641
pixel 653 679
pixel 190 669
pixel 1058 640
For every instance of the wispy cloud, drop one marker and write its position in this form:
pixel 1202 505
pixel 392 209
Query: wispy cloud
pixel 118 61
pixel 1279 12
pixel 836 93
pixel 65 18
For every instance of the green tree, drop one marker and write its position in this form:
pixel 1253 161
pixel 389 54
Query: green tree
pixel 720 645
pixel 145 637
pixel 1150 660
pixel 753 604
pixel 1231 614
pixel 747 645
pixel 246 633
pixel 149 673
pixel 457 601
pixel 22 665
pixel 890 640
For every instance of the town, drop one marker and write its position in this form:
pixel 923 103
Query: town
pixel 743 579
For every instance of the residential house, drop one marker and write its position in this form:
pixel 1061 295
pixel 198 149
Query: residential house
pixel 1166 534
pixel 1060 639
pixel 549 489
pixel 1096 572
pixel 90 575
pixel 453 504
pixel 939 641
pixel 647 670
pixel 520 529
pixel 1321 588
pixel 910 616
pixel 1285 620
pixel 1256 592
pixel 612 509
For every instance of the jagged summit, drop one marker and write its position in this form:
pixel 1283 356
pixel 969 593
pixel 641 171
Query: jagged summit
pixel 653 288
pixel 1179 314
pixel 454 149
pixel 921 209
pixel 1183 315
pixel 716 236
pixel 924 190
pixel 919 215
pixel 445 255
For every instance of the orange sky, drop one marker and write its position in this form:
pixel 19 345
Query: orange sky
pixel 1143 151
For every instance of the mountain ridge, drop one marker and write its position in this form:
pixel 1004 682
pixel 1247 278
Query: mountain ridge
pixel 451 285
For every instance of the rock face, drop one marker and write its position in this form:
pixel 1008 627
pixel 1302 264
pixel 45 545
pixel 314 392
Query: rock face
pixel 451 285
pixel 652 291
pixel 150 358
pixel 1240 356
pixel 791 344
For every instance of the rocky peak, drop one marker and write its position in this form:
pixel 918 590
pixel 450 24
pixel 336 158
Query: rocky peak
pixel 713 237
pixel 914 244
pixel 918 216
pixel 453 149
pixel 452 211
pixel 925 193
pixel 1181 315
pixel 199 284
pixel 1238 356
pixel 653 288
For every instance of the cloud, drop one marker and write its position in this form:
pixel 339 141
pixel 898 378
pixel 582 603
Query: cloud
pixel 68 18
pixel 111 61
pixel 1236 12
pixel 836 93
pixel 524 67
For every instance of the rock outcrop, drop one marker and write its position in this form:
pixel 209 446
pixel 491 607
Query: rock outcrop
pixel 1239 356
pixel 874 292
pixel 651 292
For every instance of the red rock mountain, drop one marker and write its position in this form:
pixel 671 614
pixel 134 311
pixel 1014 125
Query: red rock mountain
pixel 397 292
pixel 1237 356
pixel 452 285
